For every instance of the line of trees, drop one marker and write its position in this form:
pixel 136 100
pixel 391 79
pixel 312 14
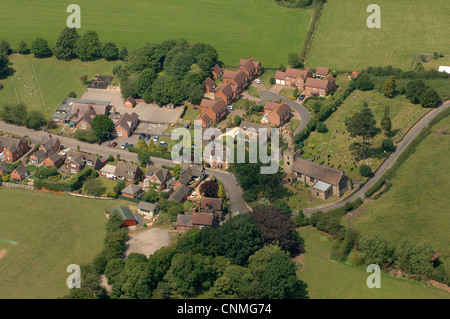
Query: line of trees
pixel 18 114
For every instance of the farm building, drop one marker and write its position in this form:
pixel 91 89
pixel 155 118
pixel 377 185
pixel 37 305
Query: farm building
pixel 127 216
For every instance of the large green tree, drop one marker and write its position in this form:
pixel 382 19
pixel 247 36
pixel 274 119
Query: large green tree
pixel 389 86
pixel 102 125
pixel 65 47
pixel 4 64
pixel 430 98
pixel 40 48
pixel 89 47
pixel 363 124
pixel 238 239
pixel 110 51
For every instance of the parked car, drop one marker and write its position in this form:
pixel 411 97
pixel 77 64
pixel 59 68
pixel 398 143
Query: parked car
pixel 230 107
pixel 163 143
pixel 301 97
pixel 124 145
pixel 142 135
pixel 193 194
pixel 156 138
pixel 147 137
pixel 113 144
pixel 258 81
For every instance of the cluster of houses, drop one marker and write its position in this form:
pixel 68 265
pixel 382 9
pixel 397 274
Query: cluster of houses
pixel 233 83
pixel 80 112
pixel 319 84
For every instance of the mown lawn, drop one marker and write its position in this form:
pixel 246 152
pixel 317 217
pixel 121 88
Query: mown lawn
pixel 52 231
pixel 344 42
pixel 332 147
pixel 417 204
pixel 329 279
pixel 237 29
pixel 50 79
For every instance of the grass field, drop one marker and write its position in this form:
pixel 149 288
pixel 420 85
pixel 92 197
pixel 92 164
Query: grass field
pixel 417 204
pixel 50 79
pixel 328 279
pixel 336 141
pixel 52 232
pixel 344 42
pixel 258 28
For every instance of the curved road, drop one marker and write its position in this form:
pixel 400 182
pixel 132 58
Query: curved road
pixel 387 164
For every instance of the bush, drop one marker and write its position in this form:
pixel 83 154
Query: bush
pixel 72 94
pixel 354 258
pixel 321 127
pixel 388 145
pixel 365 170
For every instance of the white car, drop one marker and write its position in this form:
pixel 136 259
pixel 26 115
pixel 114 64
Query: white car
pixel 193 194
pixel 258 81
pixel 156 138
pixel 230 107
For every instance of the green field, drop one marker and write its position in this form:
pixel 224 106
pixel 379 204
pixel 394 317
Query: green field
pixel 336 141
pixel 344 42
pixel 417 204
pixel 237 29
pixel 329 279
pixel 50 79
pixel 52 232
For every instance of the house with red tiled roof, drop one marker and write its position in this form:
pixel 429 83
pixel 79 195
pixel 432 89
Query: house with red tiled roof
pixel 319 87
pixel 12 148
pixel 225 92
pixel 217 72
pixel 251 67
pixel 209 85
pixel 237 79
pixel 129 103
pixel 276 113
pixel 322 72
pixel 126 125
pixel 293 77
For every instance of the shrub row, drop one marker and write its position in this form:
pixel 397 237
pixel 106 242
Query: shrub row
pixel 311 30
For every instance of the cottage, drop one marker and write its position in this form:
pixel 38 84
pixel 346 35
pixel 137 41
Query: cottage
pixel 13 149
pixel 320 87
pixel 217 72
pixel 76 161
pixel 50 144
pixel 209 85
pixel 180 194
pixel 199 220
pixel 148 209
pixel 20 173
pixel 38 157
pixel 128 218
pixel 108 171
pixel 157 177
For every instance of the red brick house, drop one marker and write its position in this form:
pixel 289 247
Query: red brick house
pixel 217 72
pixel 237 79
pixel 129 103
pixel 50 144
pixel 20 173
pixel 199 220
pixel 38 157
pixel 322 72
pixel 276 113
pixel 225 92
pixel 53 160
pixel 132 191
pixel 157 177
pixel 293 77
pixel 209 85
pixel 2 168
pixel 76 161
pixel 126 125
pixel 13 149
pixel 320 87
pixel 251 67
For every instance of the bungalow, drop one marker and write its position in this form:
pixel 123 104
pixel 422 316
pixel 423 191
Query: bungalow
pixel 53 160
pixel 12 148
pixel 180 194
pixel 148 209
pixel 276 113
pixel 199 220
pixel 38 157
pixel 20 173
pixel 132 191
pixel 129 103
pixel 126 125
pixel 217 72
pixel 128 218
pixel 320 87
pixel 128 171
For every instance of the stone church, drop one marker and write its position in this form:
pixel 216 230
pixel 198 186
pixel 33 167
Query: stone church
pixel 324 181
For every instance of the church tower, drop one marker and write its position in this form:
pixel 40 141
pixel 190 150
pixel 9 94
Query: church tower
pixel 289 154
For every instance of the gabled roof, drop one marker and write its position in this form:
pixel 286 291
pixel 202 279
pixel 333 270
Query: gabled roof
pixel 209 82
pixel 131 189
pixel 124 212
pixel 11 143
pixel 204 219
pixel 55 157
pixel 123 170
pixel 40 155
pixel 280 75
pixel 228 74
pixel 2 166
pixel 131 100
pixel 239 77
pixel 125 118
pixel 322 173
pixel 162 174
pixel 146 206
pixel 270 106
pixel 209 202
pixel 225 89
pixel 218 106
pixel 180 193
pixel 282 108
pixel 322 71
pixel 206 103
pixel 184 220
pixel 316 83
pixel 217 69
pixel 21 170
pixel 295 73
